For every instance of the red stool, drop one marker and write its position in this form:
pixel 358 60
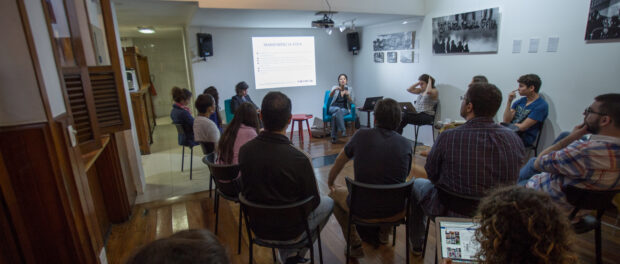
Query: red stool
pixel 300 119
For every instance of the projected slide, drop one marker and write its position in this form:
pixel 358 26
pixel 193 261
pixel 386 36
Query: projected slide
pixel 283 62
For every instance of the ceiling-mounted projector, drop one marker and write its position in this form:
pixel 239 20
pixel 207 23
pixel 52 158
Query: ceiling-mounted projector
pixel 326 22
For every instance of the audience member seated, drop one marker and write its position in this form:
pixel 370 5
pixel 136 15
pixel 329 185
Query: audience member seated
pixel 518 225
pixel 205 130
pixel 241 89
pixel 341 96
pixel 590 164
pixel 479 79
pixel 424 105
pixel 274 172
pixel 525 116
pixel 181 114
pixel 243 128
pixel 381 155
pixel 470 159
pixel 215 117
pixel 184 247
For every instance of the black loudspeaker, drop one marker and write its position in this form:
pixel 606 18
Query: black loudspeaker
pixel 205 45
pixel 353 41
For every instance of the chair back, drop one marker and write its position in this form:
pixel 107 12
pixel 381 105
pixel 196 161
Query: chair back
pixel 458 203
pixel 372 201
pixel 226 177
pixel 327 116
pixel 182 135
pixel 207 147
pixel 589 199
pixel 228 110
pixel 535 146
pixel 276 222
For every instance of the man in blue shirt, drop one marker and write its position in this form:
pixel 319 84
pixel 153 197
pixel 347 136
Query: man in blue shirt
pixel 526 115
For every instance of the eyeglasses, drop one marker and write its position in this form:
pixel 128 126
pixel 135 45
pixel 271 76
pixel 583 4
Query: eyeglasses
pixel 590 111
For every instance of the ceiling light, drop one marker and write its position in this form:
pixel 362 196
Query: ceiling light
pixel 146 30
pixel 405 22
pixel 328 31
pixel 342 28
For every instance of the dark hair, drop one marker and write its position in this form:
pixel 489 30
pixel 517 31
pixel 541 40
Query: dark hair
pixel 479 78
pixel 425 77
pixel 387 114
pixel 485 98
pixel 179 95
pixel 520 225
pixel 531 79
pixel 610 105
pixel 188 246
pixel 241 86
pixel 203 102
pixel 275 111
pixel 345 76
pixel 213 92
pixel 245 114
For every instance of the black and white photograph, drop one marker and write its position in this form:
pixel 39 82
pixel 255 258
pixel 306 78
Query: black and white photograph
pixel 394 41
pixel 470 32
pixel 603 20
pixel 379 57
pixel 392 57
pixel 406 56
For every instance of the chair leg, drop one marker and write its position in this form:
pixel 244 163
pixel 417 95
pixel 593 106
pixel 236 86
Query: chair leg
pixel 210 185
pixel 598 242
pixel 394 237
pixel 215 199
pixel 348 239
pixel 239 235
pixel 251 251
pixel 407 242
pixel 311 250
pixel 428 223
pixel 318 237
pixel 217 211
pixel 182 158
pixel 416 130
pixel 273 254
pixel 191 161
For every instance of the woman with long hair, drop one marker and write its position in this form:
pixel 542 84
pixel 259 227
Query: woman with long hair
pixel 243 128
pixel 520 225
pixel 428 98
pixel 340 99
pixel 215 116
pixel 181 114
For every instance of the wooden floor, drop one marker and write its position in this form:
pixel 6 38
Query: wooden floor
pixel 164 217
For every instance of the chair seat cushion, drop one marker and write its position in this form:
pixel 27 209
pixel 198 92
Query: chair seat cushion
pixel 586 224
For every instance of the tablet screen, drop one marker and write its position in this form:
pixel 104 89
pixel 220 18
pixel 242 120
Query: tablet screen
pixel 458 241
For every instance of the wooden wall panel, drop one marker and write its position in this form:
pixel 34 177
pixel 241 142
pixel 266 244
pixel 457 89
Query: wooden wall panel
pixel 112 183
pixel 9 252
pixel 98 201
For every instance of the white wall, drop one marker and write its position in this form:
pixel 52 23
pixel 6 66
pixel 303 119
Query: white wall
pixel 571 77
pixel 232 63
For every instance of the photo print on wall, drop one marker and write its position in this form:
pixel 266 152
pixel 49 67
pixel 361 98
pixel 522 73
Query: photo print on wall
pixel 406 56
pixel 379 57
pixel 394 41
pixel 603 20
pixel 470 32
pixel 392 57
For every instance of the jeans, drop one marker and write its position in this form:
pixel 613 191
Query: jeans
pixel 337 122
pixel 319 218
pixel 528 170
pixel 417 224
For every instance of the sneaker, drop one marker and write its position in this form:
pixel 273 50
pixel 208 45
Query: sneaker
pixel 334 140
pixel 416 251
pixel 356 251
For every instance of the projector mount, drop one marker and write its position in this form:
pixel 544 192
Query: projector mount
pixel 326 22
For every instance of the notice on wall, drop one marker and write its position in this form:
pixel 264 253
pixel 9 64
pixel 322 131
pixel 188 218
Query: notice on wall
pixel 552 44
pixel 534 42
pixel 516 46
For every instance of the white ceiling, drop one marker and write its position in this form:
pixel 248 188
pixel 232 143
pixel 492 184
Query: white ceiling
pixel 168 18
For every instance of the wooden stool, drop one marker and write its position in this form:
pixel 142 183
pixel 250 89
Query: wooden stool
pixel 300 119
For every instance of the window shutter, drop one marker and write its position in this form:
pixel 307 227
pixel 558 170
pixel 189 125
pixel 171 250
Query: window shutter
pixel 108 102
pixel 82 111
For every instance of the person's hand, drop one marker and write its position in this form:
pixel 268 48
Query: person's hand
pixel 344 92
pixel 579 131
pixel 430 83
pixel 512 95
pixel 332 187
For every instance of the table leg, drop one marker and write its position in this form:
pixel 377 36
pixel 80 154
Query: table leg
pixel 292 128
pixel 368 125
pixel 309 131
pixel 301 131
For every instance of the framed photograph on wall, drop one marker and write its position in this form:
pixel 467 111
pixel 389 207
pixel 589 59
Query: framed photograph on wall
pixel 470 32
pixel 394 41
pixel 406 56
pixel 603 20
pixel 379 57
pixel 392 57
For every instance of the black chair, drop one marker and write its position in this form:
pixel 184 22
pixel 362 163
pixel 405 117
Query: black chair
pixel 395 195
pixel 455 202
pixel 208 148
pixel 181 131
pixel 275 226
pixel 416 128
pixel 590 200
pixel 535 146
pixel 228 185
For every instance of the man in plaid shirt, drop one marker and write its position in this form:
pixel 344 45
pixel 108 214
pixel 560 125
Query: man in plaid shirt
pixel 468 160
pixel 590 164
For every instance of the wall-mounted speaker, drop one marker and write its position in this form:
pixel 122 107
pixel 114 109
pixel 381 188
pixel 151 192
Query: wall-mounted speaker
pixel 353 41
pixel 205 45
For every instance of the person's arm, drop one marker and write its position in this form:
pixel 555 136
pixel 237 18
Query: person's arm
pixel 347 94
pixel 252 102
pixel 578 132
pixel 341 160
pixel 234 103
pixel 509 113
pixel 430 90
pixel 414 89
pixel 334 89
pixel 435 159
pixel 526 124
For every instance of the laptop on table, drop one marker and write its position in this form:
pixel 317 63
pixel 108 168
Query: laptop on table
pixel 370 103
pixel 407 107
pixel 456 239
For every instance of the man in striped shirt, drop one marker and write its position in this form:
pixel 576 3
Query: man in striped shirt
pixel 468 160
pixel 590 164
